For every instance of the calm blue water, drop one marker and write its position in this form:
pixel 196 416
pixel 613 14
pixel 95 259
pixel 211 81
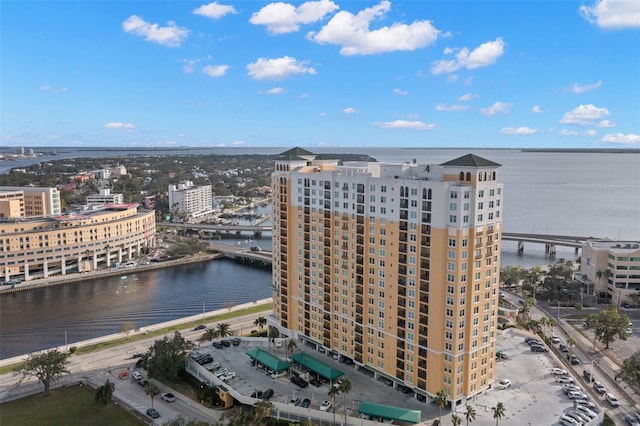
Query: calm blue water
pixel 582 194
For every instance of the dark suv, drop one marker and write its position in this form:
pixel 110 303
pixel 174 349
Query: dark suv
pixel 299 381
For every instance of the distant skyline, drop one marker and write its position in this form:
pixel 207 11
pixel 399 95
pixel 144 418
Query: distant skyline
pixel 495 74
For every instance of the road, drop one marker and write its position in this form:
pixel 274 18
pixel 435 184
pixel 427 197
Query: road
pixel 96 367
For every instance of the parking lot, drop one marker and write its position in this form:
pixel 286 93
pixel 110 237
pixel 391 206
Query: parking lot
pixel 534 397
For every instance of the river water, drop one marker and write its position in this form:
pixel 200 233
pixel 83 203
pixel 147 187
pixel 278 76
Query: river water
pixel 582 194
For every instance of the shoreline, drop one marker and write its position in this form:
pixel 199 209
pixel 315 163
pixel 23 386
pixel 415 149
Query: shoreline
pixel 100 273
pixel 142 331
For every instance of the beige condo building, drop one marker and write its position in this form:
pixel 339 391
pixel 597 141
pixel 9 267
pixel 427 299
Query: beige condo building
pixel 393 265
pixel 21 201
pixel 40 247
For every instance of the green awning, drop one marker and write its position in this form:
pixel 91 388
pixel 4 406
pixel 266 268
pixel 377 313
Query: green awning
pixel 272 362
pixel 389 412
pixel 317 366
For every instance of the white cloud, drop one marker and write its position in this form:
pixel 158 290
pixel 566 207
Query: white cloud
pixel 606 123
pixel 584 115
pixel 169 36
pixel 404 124
pixel 467 97
pixel 189 65
pixel 350 110
pixel 577 88
pixel 400 92
pixel 118 125
pixel 48 88
pixel 621 138
pixel 214 10
pixel 275 91
pixel 278 68
pixel 518 130
pixel 282 18
pixel 443 107
pixel 215 70
pixel 536 109
pixel 482 56
pixel 236 143
pixel 565 132
pixel 353 34
pixel 496 108
pixel 613 14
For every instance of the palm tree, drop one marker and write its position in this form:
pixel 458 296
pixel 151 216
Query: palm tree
pixel 441 400
pixel 498 411
pixel 456 420
pixel 571 343
pixel 260 322
pixel 152 390
pixel 223 329
pixel 345 388
pixel 209 334
pixel 105 392
pixel 291 345
pixel 470 414
pixel 333 392
pixel 273 333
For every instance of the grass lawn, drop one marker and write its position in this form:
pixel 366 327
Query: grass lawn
pixel 65 406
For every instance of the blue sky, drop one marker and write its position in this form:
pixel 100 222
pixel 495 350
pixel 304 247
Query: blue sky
pixel 515 74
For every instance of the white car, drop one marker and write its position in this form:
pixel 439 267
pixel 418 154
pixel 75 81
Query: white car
pixel 228 376
pixel 629 331
pixel 586 411
pixel 325 405
pixel 613 401
pixel 558 372
pixel 504 384
pixel 136 375
pixel 599 387
pixel 564 379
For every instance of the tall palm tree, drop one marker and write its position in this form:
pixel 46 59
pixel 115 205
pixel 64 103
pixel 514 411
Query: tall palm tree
pixel 260 322
pixel 105 392
pixel 209 334
pixel 498 411
pixel 441 400
pixel 152 390
pixel 223 329
pixel 571 343
pixel 345 388
pixel 333 392
pixel 456 420
pixel 291 345
pixel 273 333
pixel 470 414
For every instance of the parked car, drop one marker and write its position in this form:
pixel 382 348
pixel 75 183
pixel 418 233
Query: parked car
pixel 555 338
pixel 575 360
pixel 228 376
pixel 563 348
pixel 256 394
pixel 613 401
pixel 139 363
pixel 587 375
pixel 631 420
pixel 570 387
pixel 217 345
pixel 599 387
pixel 294 401
pixel 539 348
pixel 153 413
pixel 585 410
pixel 315 382
pixel 235 341
pixel 225 343
pixel 168 397
pixel 305 403
pixel 581 418
pixel 558 372
pixel 577 395
pixel 564 379
pixel 267 394
pixel 299 381
pixel 325 405
pixel 504 384
pixel 569 421
pixel 143 382
pixel 138 355
pixel 136 375
pixel 585 403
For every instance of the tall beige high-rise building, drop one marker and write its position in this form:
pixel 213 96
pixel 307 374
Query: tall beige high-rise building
pixel 395 266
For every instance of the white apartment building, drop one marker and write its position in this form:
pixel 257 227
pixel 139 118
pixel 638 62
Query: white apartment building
pixel 105 197
pixel 193 203
pixel 395 266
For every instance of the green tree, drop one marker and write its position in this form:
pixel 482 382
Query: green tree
pixel 260 322
pixel 511 276
pixel 442 397
pixel 571 342
pixel 531 279
pixel 498 411
pixel 273 334
pixel 333 392
pixel 183 421
pixel 152 389
pixel 260 413
pixel 608 326
pixel 470 414
pixel 47 366
pixel 223 329
pixel 291 346
pixel 167 356
pixel 456 420
pixel 209 334
pixel 105 392
pixel 630 370
pixel 345 388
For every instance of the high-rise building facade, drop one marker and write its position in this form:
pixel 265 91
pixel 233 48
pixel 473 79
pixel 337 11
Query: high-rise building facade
pixel 36 201
pixel 192 202
pixel 393 265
